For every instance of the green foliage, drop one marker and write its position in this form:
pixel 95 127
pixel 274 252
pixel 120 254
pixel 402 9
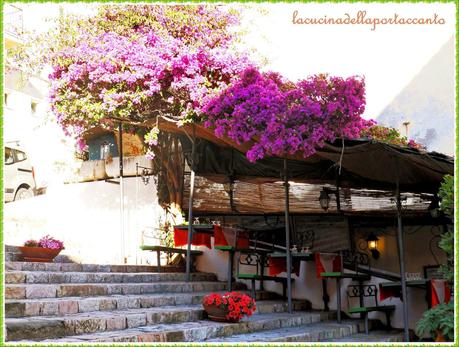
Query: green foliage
pixel 446 194
pixel 166 236
pixel 389 135
pixel 440 318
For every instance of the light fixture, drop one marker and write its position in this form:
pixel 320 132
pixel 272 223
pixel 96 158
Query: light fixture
pixel 434 207
pixel 372 241
pixel 145 177
pixel 324 199
pixel 144 173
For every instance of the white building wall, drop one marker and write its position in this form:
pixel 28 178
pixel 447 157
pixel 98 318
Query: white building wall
pixel 35 130
pixel 86 216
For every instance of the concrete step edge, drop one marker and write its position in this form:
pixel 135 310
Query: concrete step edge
pixel 37 291
pixel 51 277
pixel 313 332
pixel 49 307
pixel 374 336
pixel 76 267
pixel 199 330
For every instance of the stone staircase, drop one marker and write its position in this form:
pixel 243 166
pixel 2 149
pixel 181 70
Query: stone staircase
pixel 67 302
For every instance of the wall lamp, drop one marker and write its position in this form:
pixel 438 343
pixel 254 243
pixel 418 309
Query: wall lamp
pixel 372 242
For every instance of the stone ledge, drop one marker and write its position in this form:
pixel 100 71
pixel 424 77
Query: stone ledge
pixel 36 291
pixel 198 330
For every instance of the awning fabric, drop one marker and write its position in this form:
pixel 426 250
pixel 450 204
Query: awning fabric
pixel 365 163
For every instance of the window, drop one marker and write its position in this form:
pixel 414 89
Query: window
pixel 104 150
pixel 20 156
pixel 9 158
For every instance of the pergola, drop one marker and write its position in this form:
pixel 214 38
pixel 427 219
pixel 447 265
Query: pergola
pixel 362 164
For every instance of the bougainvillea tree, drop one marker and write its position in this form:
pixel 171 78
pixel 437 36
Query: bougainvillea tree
pixel 135 63
pixel 286 117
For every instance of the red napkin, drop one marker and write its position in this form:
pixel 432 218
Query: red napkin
pixel 440 292
pixel 327 262
pixel 199 239
pixel 222 235
pixel 389 292
pixel 278 265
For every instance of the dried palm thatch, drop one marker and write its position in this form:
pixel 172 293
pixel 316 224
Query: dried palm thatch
pixel 264 196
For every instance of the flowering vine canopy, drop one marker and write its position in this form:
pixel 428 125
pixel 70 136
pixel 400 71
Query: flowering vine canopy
pixel 141 62
pixel 286 117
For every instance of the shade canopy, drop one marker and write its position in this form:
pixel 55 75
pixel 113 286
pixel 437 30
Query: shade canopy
pixel 365 164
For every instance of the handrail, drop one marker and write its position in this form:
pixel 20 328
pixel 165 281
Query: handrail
pixel 374 272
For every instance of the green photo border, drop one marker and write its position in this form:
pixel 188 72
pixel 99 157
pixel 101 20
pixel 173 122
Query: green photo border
pixel 456 294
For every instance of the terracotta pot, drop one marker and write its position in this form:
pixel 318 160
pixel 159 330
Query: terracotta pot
pixel 218 314
pixel 439 336
pixel 39 254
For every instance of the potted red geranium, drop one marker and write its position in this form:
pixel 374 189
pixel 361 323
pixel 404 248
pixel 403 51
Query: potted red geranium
pixel 229 307
pixel 44 250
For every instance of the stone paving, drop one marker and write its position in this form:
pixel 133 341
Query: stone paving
pixel 64 303
pixel 65 267
pixel 200 330
pixel 372 337
pixel 19 277
pixel 37 291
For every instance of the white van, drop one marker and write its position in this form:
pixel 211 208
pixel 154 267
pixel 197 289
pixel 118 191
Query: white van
pixel 18 175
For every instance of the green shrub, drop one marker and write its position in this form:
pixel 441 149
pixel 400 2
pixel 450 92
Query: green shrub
pixel 440 318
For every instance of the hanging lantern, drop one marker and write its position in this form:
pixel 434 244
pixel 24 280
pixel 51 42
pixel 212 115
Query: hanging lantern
pixel 324 200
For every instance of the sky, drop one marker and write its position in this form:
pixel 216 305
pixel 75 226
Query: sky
pixel 388 57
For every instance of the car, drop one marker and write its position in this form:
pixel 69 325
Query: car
pixel 19 175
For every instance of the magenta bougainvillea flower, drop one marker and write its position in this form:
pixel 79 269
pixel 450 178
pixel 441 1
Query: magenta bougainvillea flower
pixel 284 117
pixel 140 61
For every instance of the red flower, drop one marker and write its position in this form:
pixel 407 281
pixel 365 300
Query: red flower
pixel 236 303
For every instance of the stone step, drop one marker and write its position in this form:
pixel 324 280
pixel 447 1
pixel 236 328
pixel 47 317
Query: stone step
pixel 75 267
pixel 16 277
pixel 201 330
pixel 39 328
pixel 16 256
pixel 374 336
pixel 72 305
pixel 315 332
pixel 10 248
pixel 36 291
pixel 13 256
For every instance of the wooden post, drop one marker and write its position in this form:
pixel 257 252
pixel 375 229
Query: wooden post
pixel 190 211
pixel 121 171
pixel 401 256
pixel 287 238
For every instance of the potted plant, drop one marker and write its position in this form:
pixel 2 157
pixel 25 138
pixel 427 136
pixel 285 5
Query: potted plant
pixel 44 250
pixel 438 323
pixel 229 307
